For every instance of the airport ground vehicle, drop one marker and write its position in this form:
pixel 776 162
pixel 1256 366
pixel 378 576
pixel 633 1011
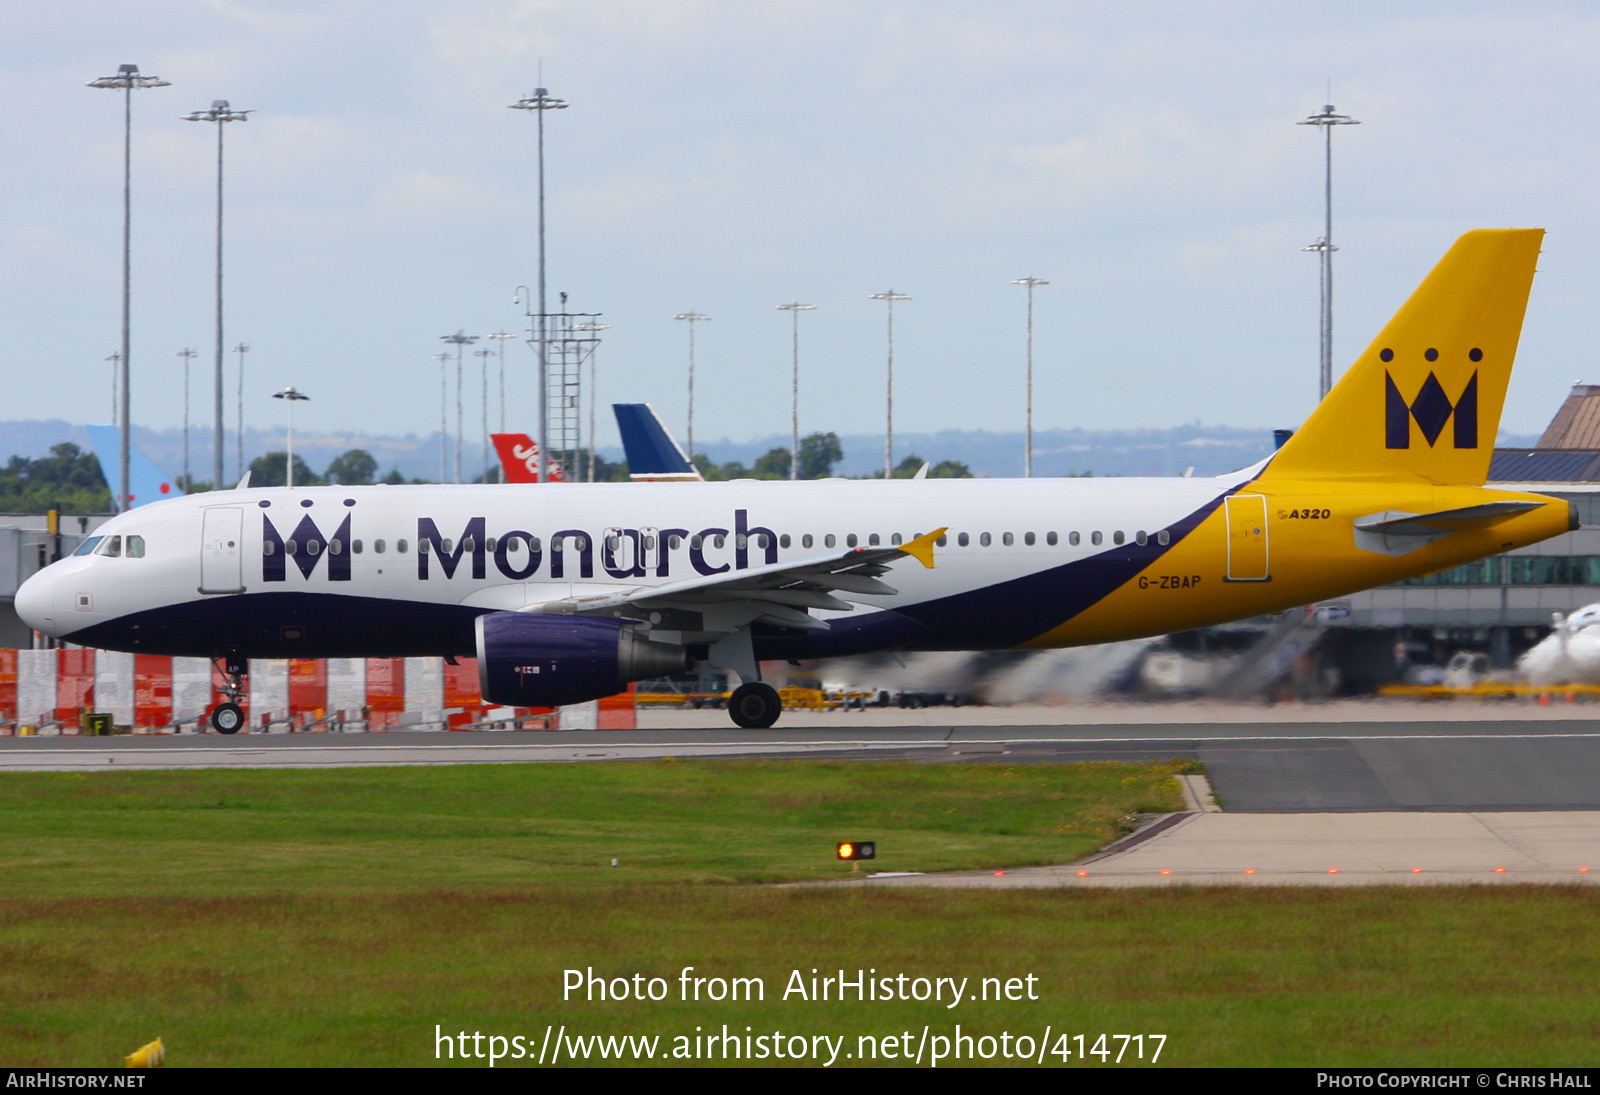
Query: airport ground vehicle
pixel 564 593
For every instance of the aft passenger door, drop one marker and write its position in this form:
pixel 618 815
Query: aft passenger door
pixel 221 553
pixel 1247 538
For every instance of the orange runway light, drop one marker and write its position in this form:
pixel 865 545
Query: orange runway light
pixel 857 849
pixel 1085 874
pixel 1499 870
pixel 1249 870
pixel 997 874
pixel 1583 870
pixel 1416 870
pixel 1333 870
pixel 1166 870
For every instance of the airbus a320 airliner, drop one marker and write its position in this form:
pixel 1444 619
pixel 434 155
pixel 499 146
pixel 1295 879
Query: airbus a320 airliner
pixel 566 592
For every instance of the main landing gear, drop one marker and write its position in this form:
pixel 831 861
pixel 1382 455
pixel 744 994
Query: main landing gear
pixel 228 718
pixel 755 706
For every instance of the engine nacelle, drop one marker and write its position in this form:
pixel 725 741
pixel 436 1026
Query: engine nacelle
pixel 528 659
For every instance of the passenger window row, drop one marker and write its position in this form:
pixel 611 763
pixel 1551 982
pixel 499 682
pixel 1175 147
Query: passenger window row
pixel 112 545
pixel 1007 539
pixel 964 539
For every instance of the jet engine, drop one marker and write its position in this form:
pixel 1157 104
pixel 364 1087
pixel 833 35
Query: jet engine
pixel 534 660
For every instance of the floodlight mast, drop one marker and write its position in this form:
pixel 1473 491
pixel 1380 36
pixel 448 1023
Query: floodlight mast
pixel 1324 314
pixel 888 430
pixel 127 80
pixel 1327 119
pixel 292 397
pixel 500 337
pixel 539 102
pixel 188 355
pixel 116 382
pixel 483 357
pixel 794 309
pixel 444 423
pixel 691 317
pixel 1027 445
pixel 460 340
pixel 238 438
pixel 594 382
pixel 219 114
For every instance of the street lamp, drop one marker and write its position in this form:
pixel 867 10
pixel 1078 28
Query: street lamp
pixel 127 80
pixel 1327 119
pixel 691 317
pixel 460 340
pixel 291 397
pixel 1027 445
pixel 539 102
pixel 444 426
pixel 220 114
pixel 888 434
pixel 500 337
pixel 594 382
pixel 238 437
pixel 794 310
pixel 188 355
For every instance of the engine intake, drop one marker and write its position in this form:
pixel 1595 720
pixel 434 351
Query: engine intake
pixel 534 660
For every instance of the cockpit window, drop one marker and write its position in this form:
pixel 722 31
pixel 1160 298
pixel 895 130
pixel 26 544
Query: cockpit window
pixel 88 546
pixel 110 547
pixel 136 547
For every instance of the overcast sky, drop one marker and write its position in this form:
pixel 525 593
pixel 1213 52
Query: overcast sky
pixel 728 157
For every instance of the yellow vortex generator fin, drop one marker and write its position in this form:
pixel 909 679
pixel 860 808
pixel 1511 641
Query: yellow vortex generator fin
pixel 1422 404
pixel 921 549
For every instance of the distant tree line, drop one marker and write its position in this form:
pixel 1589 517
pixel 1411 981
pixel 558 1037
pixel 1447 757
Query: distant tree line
pixel 819 452
pixel 68 479
pixel 73 481
pixel 352 468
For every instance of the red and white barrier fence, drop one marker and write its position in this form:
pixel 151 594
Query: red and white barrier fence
pixel 55 690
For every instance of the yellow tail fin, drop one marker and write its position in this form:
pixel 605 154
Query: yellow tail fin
pixel 1423 402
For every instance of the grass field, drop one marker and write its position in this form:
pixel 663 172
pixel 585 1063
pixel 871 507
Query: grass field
pixel 365 830
pixel 334 917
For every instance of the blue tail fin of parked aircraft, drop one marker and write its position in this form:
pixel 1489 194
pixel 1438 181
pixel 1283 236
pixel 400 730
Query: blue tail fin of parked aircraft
pixel 652 453
pixel 146 482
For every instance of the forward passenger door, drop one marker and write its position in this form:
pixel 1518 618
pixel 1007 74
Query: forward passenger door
pixel 221 550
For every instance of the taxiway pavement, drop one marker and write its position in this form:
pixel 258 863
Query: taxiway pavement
pixel 1332 849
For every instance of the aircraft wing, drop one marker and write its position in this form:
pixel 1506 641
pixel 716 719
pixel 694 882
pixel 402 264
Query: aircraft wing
pixel 778 593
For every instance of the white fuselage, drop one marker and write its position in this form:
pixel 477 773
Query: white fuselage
pixel 375 570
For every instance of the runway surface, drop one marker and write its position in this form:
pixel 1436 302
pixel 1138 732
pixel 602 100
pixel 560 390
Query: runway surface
pixel 1271 767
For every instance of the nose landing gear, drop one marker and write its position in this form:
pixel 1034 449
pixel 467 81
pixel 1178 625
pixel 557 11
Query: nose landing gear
pixel 228 717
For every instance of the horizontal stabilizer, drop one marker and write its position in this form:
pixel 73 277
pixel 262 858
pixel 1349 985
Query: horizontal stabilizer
pixel 1399 533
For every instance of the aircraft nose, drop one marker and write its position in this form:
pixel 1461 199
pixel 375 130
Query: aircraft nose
pixel 35 602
